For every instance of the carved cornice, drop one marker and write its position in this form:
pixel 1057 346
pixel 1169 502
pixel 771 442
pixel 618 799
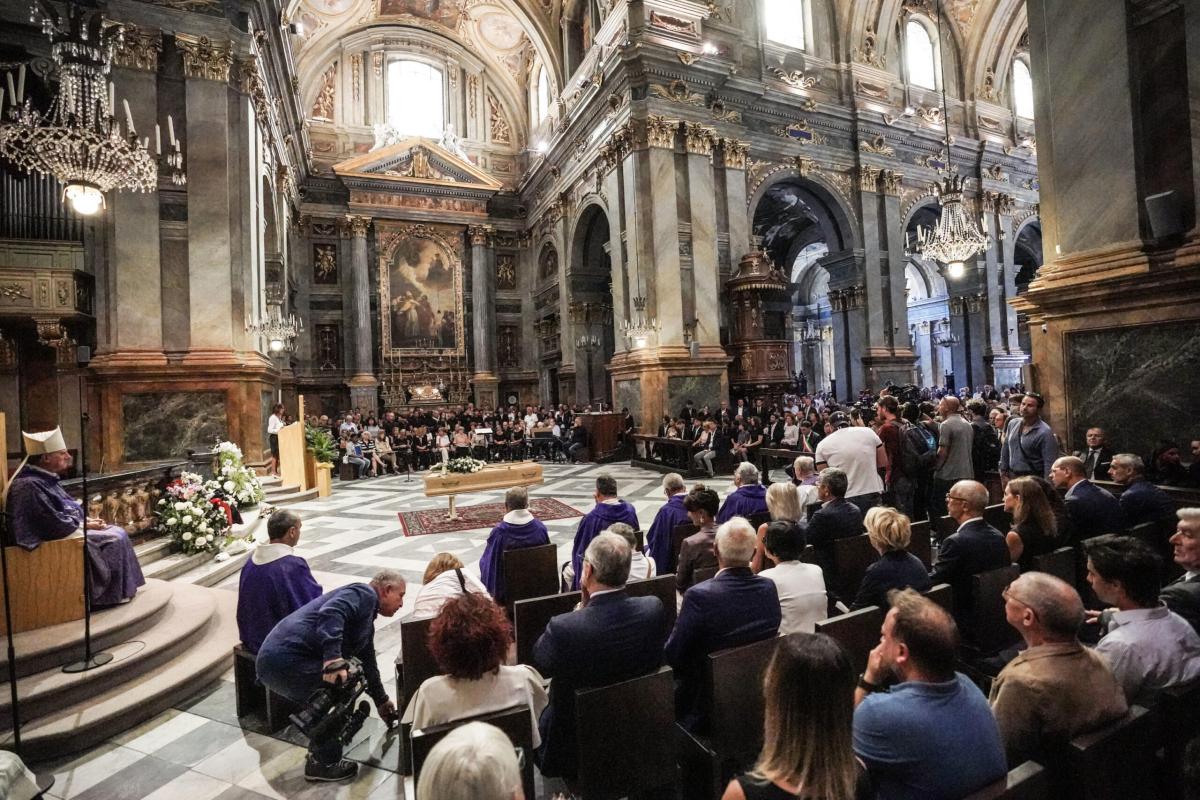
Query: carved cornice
pixel 698 139
pixel 847 299
pixel 139 49
pixel 204 59
pixel 735 153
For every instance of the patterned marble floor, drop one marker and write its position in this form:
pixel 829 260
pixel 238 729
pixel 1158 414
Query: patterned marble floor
pixel 198 750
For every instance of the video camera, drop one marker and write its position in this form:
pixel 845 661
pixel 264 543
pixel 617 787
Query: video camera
pixel 330 711
pixel 906 394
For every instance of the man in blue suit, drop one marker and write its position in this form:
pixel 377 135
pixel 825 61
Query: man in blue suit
pixel 1091 511
pixel 837 518
pixel 612 638
pixel 735 608
pixel 975 547
pixel 1141 501
pixel 749 496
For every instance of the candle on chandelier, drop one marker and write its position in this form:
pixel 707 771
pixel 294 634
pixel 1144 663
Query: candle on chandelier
pixel 157 140
pixel 21 84
pixel 112 99
pixel 11 91
pixel 128 117
pixel 171 130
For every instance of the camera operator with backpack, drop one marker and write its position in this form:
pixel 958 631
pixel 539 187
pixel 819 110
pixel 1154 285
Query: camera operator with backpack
pixel 322 656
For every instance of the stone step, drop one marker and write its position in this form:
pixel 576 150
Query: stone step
pixel 185 618
pixel 53 646
pixel 267 481
pixel 195 664
pixel 171 566
pixel 154 550
pixel 294 497
pixel 279 490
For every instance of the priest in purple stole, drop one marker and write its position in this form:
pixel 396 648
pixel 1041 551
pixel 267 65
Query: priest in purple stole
pixel 748 499
pixel 519 528
pixel 40 510
pixel 658 539
pixel 274 581
pixel 608 509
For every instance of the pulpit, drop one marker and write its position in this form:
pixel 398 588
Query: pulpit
pixel 604 435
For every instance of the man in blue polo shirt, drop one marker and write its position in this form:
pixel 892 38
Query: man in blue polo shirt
pixel 931 735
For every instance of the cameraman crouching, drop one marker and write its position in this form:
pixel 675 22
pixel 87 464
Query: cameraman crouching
pixel 310 645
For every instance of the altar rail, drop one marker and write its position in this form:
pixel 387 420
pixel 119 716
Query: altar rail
pixel 127 498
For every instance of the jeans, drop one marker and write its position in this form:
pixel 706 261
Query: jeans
pixel 706 457
pixel 902 491
pixel 360 465
pixel 574 450
pixel 283 676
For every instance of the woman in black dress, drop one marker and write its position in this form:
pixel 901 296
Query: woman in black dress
pixel 1034 528
pixel 809 708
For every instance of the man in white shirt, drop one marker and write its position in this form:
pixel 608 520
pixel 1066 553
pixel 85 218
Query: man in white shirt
pixel 802 598
pixel 806 481
pixel 531 419
pixel 859 453
pixel 641 566
pixel 1147 646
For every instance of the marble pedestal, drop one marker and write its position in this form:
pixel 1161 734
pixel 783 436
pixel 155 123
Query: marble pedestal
pixel 364 393
pixel 487 390
pixel 885 368
pixel 654 381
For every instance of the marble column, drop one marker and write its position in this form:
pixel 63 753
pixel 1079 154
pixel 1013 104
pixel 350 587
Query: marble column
pixel 699 141
pixel 483 313
pixel 901 366
pixel 665 266
pixel 877 305
pixel 849 320
pixel 968 323
pixel 734 155
pixel 363 383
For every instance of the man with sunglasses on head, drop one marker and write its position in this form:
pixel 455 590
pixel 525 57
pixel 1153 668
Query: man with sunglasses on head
pixel 1029 445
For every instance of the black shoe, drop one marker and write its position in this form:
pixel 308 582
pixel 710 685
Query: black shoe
pixel 340 771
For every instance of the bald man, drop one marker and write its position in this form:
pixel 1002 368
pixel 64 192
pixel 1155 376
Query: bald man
pixel 953 463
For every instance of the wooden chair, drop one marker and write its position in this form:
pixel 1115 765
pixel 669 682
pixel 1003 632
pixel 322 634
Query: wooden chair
pixel 851 557
pixel 703 574
pixel 857 631
pixel 251 697
pixel 58 564
pixel 988 628
pixel 1113 763
pixel 998 518
pixel 733 705
pixel 636 716
pixel 530 572
pixel 1060 563
pixel 943 595
pixel 1179 708
pixel 678 534
pixel 662 587
pixel 530 618
pixel 418 664
pixel 761 518
pixel 921 545
pixel 1025 782
pixel 514 722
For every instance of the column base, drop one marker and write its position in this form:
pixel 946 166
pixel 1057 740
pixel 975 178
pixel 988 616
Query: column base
pixel 364 394
pixel 885 368
pixel 1005 368
pixel 654 381
pixel 487 390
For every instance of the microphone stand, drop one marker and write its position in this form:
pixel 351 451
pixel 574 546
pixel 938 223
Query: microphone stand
pixel 90 660
pixel 8 630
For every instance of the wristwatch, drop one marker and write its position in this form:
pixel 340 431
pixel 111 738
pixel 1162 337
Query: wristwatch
pixel 868 687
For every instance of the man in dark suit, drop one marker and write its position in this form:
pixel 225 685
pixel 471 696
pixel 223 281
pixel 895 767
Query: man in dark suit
pixel 975 547
pixel 1097 457
pixel 1091 511
pixel 837 518
pixel 612 638
pixel 1141 501
pixel 1183 595
pixel 735 608
pixel 774 433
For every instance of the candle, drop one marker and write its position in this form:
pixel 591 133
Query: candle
pixel 128 116
pixel 171 130
pixel 157 140
pixel 21 84
pixel 112 99
pixel 11 91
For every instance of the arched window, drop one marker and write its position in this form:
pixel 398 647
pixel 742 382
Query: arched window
pixel 1022 89
pixel 920 55
pixel 416 99
pixel 541 99
pixel 783 21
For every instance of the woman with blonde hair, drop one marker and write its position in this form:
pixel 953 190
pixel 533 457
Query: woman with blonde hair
pixel 783 503
pixel 809 708
pixel 1034 529
pixel 890 533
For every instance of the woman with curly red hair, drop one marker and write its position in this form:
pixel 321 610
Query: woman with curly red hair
pixel 469 641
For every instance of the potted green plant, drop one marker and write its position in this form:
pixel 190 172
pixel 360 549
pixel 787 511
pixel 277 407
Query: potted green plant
pixel 323 450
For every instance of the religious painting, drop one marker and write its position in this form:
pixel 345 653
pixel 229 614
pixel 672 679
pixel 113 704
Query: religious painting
pixel 325 264
pixel 548 263
pixel 329 347
pixel 445 12
pixel 421 289
pixel 506 271
pixel 508 346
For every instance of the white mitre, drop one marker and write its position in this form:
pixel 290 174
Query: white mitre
pixel 37 444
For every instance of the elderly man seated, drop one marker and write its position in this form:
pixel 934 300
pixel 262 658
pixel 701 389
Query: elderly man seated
pixel 274 581
pixel 748 498
pixel 40 510
pixel 519 528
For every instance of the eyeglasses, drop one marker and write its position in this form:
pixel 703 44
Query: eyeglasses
pixel 959 499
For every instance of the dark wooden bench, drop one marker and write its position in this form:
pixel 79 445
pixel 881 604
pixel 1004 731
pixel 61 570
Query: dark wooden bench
pixel 943 595
pixel 987 626
pixel 662 587
pixel 857 631
pixel 998 518
pixel 530 618
pixel 1060 563
pixel 1114 763
pixel 761 518
pixel 703 574
pixel 529 572
pixel 678 534
pixel 417 665
pixel 1179 709
pixel 514 722
pixel 625 738
pixel 921 544
pixel 251 697
pixel 1025 782
pixel 732 700
pixel 851 557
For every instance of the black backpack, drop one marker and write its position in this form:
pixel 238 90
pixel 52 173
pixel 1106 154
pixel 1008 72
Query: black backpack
pixel 918 449
pixel 985 449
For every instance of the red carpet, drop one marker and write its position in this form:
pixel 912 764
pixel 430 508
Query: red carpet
pixel 433 520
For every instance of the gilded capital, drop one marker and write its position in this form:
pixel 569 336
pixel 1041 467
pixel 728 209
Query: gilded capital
pixel 139 48
pixel 1006 204
pixel 355 226
pixel 480 235
pixel 868 178
pixel 698 139
pixel 204 59
pixel 735 153
pixel 889 182
pixel 660 132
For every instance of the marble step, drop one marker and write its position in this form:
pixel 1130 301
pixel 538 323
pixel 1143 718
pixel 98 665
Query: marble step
pixel 194 665
pixel 156 549
pixel 294 497
pixel 279 490
pixel 53 646
pixel 171 566
pixel 185 619
pixel 268 481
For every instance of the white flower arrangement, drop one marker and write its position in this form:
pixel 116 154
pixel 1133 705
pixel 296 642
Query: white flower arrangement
pixel 192 517
pixel 461 465
pixel 238 482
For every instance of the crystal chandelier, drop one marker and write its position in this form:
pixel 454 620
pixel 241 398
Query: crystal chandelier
pixel 956 237
pixel 812 333
pixel 279 331
pixel 79 140
pixel 639 327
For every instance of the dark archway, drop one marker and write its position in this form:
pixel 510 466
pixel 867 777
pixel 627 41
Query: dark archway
pixel 927 304
pixel 591 307
pixel 1027 260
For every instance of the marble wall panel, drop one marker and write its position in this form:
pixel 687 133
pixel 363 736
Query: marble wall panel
pixel 629 395
pixel 161 425
pixel 702 390
pixel 268 400
pixel 1141 383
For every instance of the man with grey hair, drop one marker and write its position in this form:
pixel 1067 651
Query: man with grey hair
pixel 1056 688
pixel 640 567
pixel 658 539
pixel 311 646
pixel 1183 595
pixel 608 509
pixel 837 518
pixel 518 528
pixel 274 581
pixel 1091 510
pixel 1141 501
pixel 749 496
pixel 734 608
pixel 804 478
pixel 613 637
pixel 975 547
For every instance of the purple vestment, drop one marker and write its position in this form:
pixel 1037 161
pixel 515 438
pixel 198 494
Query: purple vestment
pixel 595 523
pixel 271 589
pixel 508 535
pixel 41 511
pixel 744 502
pixel 658 540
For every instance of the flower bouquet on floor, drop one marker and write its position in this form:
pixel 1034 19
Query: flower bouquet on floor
pixel 461 465
pixel 193 519
pixel 238 483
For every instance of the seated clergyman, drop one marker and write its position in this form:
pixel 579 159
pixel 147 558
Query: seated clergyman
pixel 40 510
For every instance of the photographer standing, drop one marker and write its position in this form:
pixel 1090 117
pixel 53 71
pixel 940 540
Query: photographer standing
pixel 311 646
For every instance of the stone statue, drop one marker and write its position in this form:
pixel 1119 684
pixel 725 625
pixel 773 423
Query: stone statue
pixel 450 143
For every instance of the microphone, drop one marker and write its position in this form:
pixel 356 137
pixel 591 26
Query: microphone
pixel 83 354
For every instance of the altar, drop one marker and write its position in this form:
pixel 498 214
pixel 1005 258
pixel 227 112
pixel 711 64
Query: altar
pixel 493 476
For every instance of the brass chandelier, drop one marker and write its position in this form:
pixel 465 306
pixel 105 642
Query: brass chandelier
pixel 956 237
pixel 79 140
